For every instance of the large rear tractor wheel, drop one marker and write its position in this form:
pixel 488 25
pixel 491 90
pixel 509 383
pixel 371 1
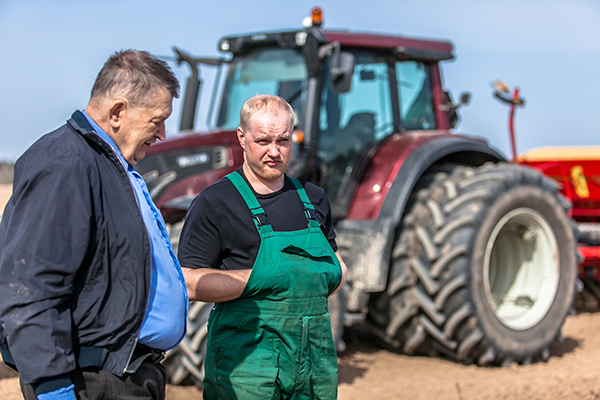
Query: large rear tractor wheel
pixel 484 268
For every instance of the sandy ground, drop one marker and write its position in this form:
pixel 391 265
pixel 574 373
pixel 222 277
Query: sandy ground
pixel 368 372
pixel 5 192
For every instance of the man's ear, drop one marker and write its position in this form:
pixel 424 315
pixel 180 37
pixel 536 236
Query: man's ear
pixel 241 137
pixel 117 111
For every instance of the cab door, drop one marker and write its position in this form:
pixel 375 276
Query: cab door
pixel 386 96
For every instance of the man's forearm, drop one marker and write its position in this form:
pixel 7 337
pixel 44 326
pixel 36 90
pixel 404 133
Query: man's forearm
pixel 213 285
pixel 344 272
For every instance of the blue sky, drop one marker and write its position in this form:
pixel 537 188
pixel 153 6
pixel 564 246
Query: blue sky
pixel 52 50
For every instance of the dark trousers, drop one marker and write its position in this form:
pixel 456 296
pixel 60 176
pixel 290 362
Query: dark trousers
pixel 148 382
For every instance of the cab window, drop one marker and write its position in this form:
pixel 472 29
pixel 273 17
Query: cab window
pixel 416 97
pixel 280 72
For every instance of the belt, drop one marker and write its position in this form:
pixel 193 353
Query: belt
pixel 91 356
pixel 143 353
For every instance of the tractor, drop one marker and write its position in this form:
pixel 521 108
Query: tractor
pixel 452 250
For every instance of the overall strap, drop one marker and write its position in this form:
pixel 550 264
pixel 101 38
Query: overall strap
pixel 258 214
pixel 309 209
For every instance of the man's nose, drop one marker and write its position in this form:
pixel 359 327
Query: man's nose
pixel 161 133
pixel 273 150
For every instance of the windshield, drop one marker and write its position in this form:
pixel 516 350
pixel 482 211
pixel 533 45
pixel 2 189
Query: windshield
pixel 281 72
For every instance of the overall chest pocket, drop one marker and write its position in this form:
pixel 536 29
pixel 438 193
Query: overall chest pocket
pixel 314 269
pixel 317 254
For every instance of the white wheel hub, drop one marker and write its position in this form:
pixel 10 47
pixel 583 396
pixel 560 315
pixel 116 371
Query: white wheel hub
pixel 521 268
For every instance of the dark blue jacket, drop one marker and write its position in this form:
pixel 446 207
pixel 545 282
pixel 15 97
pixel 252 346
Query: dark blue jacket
pixel 74 258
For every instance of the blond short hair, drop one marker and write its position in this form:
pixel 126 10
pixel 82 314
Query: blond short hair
pixel 267 103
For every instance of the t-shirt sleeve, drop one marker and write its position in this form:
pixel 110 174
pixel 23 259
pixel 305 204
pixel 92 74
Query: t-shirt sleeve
pixel 200 242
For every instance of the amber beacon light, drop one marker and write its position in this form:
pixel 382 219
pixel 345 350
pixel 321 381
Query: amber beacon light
pixel 317 16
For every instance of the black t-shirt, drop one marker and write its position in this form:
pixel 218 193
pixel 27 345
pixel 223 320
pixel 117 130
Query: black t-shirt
pixel 219 231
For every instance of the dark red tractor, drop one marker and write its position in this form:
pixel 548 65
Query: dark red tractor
pixel 451 249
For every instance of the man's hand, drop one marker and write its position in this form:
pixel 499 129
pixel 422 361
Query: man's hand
pixel 214 285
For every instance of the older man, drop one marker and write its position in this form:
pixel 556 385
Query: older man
pixel 91 293
pixel 262 245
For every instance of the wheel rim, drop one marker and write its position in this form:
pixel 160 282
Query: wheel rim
pixel 521 268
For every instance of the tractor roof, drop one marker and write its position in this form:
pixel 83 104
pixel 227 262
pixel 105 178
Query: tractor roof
pixel 403 47
pixel 391 42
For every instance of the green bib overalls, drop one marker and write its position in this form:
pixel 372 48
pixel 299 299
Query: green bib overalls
pixel 275 341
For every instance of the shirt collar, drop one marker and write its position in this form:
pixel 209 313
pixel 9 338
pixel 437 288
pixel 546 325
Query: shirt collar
pixel 107 139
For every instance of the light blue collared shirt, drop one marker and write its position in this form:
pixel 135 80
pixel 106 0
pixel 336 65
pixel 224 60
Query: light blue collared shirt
pixel 166 312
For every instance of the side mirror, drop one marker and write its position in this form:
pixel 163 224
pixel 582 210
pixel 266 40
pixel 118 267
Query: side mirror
pixel 449 106
pixel 342 68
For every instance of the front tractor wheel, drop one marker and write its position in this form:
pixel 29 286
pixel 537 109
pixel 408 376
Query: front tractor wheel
pixel 185 363
pixel 484 268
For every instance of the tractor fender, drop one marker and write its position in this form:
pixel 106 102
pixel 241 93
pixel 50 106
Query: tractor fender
pixel 366 243
pixel 452 148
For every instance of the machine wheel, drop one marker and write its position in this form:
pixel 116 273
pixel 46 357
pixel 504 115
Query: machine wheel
pixel 484 268
pixel 185 363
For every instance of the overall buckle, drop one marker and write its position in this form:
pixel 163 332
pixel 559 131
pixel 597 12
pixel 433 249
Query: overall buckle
pixel 261 219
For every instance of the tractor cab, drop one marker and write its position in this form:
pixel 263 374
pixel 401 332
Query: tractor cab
pixel 350 93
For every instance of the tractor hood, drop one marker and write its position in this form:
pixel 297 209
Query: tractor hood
pixel 182 166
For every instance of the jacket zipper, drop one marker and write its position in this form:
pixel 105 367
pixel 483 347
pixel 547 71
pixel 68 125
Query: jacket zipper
pixel 131 353
pixel 139 328
pixel 137 332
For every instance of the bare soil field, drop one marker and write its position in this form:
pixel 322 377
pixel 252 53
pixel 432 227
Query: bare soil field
pixel 368 372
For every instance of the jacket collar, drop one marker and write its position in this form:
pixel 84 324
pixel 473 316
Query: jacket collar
pixel 81 125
